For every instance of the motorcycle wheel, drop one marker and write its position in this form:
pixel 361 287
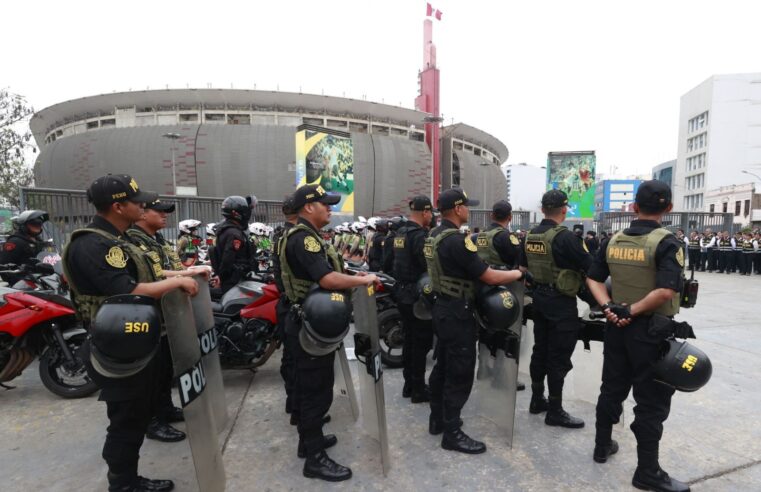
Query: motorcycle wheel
pixel 391 336
pixel 62 380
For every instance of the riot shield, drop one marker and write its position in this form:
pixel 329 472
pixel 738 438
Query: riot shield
pixel 208 342
pixel 367 348
pixel 344 385
pixel 586 377
pixel 190 374
pixel 497 373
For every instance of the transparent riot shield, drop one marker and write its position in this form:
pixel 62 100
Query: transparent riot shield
pixel 367 348
pixel 344 385
pixel 496 382
pixel 208 342
pixel 190 374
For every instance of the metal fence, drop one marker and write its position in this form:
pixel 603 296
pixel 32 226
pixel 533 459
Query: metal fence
pixel 482 219
pixel 69 210
pixel 688 221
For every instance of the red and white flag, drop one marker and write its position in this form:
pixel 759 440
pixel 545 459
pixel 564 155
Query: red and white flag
pixel 431 12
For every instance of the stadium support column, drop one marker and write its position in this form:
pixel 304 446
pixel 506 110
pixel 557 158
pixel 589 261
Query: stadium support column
pixel 428 101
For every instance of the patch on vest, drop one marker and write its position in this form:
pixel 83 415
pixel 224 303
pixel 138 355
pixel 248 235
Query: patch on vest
pixel 428 251
pixel 399 242
pixel 536 248
pixel 311 244
pixel 514 240
pixel 116 257
pixel 507 300
pixel 636 255
pixel 585 246
pixel 680 257
pixel 469 245
pixel 482 242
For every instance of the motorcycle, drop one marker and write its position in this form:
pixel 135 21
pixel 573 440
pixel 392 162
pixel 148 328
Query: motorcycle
pixel 42 323
pixel 246 321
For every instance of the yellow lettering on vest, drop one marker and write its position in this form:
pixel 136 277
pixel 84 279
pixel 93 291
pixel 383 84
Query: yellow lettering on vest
pixel 689 363
pixel 482 242
pixel 636 255
pixel 428 251
pixel 536 247
pixel 399 242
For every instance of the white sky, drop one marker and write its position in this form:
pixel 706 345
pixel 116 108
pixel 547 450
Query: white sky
pixel 539 75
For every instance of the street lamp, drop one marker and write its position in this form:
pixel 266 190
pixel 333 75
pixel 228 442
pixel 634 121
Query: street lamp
pixel 752 174
pixel 484 164
pixel 173 137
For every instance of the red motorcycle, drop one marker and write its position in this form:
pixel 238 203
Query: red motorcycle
pixel 246 322
pixel 42 323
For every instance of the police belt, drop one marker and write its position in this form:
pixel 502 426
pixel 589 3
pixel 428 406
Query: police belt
pixel 546 287
pixel 468 304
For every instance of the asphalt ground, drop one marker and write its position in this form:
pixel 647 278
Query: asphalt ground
pixel 712 438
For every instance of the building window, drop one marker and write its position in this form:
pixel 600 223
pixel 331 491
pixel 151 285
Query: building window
pixel 711 208
pixel 92 124
pixel 737 208
pixel 108 122
pixel 214 117
pixel 724 207
pixel 746 209
pixel 238 119
pixel 189 117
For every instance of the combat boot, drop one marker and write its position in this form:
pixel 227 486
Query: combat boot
pixel 457 440
pixel 657 480
pixel 148 485
pixel 175 415
pixel 406 390
pixel 603 452
pixel 319 465
pixel 328 441
pixel 538 401
pixel 160 431
pixel 556 416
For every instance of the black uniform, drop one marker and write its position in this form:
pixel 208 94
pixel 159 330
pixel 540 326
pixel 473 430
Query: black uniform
pixel 454 323
pixel 313 374
pixel 630 353
pixel 233 254
pixel 375 257
pixel 409 265
pixel 130 401
pixel 556 318
pixel 19 249
pixel 287 365
pixel 388 252
pixel 509 252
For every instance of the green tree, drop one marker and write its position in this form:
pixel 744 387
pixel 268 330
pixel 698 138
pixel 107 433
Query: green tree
pixel 15 142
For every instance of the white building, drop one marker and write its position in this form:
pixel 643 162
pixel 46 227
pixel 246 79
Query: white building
pixel 719 137
pixel 525 186
pixel 741 201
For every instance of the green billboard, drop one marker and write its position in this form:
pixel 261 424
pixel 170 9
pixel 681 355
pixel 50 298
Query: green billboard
pixel 574 173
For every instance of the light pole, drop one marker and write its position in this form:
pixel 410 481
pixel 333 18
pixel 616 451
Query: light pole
pixel 172 137
pixel 483 187
pixel 432 130
pixel 752 174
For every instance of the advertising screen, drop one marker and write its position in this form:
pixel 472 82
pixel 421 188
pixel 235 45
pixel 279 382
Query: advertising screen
pixel 574 173
pixel 326 157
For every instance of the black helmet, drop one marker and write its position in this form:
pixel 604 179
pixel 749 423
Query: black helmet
pixel 424 304
pixel 125 335
pixel 237 208
pixel 684 367
pixel 325 322
pixel 497 308
pixel 397 222
pixel 28 217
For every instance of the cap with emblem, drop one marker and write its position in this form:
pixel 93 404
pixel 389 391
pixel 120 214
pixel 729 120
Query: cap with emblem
pixel 160 206
pixel 313 193
pixel 449 199
pixel 554 199
pixel 421 203
pixel 654 195
pixel 502 208
pixel 114 188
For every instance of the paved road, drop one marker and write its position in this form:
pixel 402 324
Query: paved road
pixel 712 439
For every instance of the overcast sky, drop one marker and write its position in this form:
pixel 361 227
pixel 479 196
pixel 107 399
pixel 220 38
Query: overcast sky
pixel 539 75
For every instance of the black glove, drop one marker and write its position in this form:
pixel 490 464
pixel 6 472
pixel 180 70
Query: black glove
pixel 620 310
pixel 683 330
pixel 528 277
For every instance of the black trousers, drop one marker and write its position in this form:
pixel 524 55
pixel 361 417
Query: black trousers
pixel 418 341
pixel 554 342
pixel 451 379
pixel 128 421
pixel 738 254
pixel 703 260
pixel 757 263
pixel 713 254
pixel 629 354
pixel 746 263
pixel 694 256
pixel 287 364
pixel 722 261
pixel 164 404
pixel 313 388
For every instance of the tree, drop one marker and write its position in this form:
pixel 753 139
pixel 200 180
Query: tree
pixel 15 142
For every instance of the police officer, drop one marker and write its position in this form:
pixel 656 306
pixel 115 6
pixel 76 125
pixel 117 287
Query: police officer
pixel 693 250
pixel 454 267
pixel 645 263
pixel 24 244
pixel 145 233
pixel 388 245
pixel 557 258
pixel 283 306
pixel 409 265
pixel 375 254
pixel 232 255
pixel 497 246
pixel 307 260
pixel 100 262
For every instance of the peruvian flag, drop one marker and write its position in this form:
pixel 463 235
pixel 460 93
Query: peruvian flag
pixel 431 12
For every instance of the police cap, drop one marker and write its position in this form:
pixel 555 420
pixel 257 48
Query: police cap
pixel 653 195
pixel 449 199
pixel 502 208
pixel 554 199
pixel 313 193
pixel 113 188
pixel 421 203
pixel 160 206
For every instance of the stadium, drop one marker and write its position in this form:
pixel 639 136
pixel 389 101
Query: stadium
pixel 219 142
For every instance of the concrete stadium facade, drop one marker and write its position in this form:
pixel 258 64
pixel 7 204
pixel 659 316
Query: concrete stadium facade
pixel 243 141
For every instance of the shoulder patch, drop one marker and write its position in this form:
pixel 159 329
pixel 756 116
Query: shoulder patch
pixel 116 258
pixel 237 243
pixel 311 244
pixel 585 246
pixel 9 246
pixel 469 245
pixel 514 240
pixel 680 257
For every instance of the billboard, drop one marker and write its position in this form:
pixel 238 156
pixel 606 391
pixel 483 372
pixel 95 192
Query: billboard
pixel 574 173
pixel 326 157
